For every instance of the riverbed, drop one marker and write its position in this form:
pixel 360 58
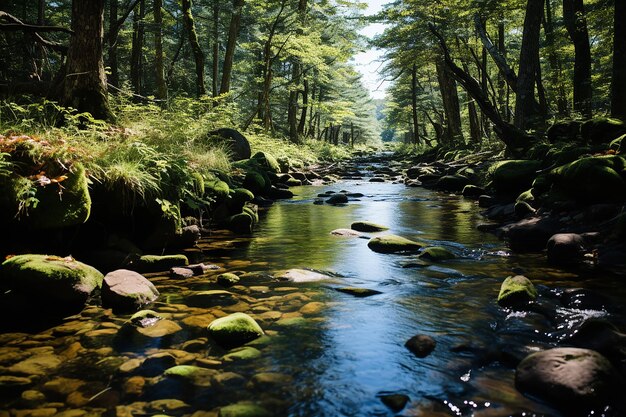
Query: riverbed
pixel 325 353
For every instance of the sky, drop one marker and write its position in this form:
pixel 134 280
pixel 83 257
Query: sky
pixel 368 63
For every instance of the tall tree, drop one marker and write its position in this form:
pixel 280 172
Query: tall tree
pixel 229 55
pixel 215 47
pixel 112 61
pixel 136 54
pixel 618 84
pixel 292 107
pixel 414 103
pixel 451 107
pixel 161 86
pixel 84 86
pixel 198 55
pixel 556 70
pixel 576 24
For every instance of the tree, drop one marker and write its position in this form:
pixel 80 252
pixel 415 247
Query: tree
pixel 161 86
pixel 233 34
pixel 576 24
pixel 618 85
pixel 136 56
pixel 198 55
pixel 84 86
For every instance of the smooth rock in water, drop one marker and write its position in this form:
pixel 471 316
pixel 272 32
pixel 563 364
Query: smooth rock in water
pixel 145 318
pixel 242 353
pixel 565 248
pixel 421 345
pixel 301 275
pixel 194 375
pixel 234 330
pixel 161 328
pixel 513 176
pixel 39 365
pixel 393 244
pixel 368 227
pixel 279 194
pixel 452 182
pixel 396 402
pixel 346 233
pixel 227 279
pixel 338 198
pixel 127 290
pixel 530 235
pixel 244 409
pixel 158 263
pixel 12 385
pixel 181 273
pixel 61 283
pixel 485 201
pixel 472 191
pixel 436 254
pixel 516 291
pixel 571 378
pixel 211 298
pixel 358 292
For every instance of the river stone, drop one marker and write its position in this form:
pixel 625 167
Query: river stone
pixel 211 298
pixel 234 330
pixel 242 353
pixel 126 290
pixel 531 234
pixel 158 263
pixel 570 378
pixel 244 409
pixel 393 244
pixel 154 364
pixel 36 365
pixel 301 275
pixel 11 385
pixel 237 143
pixel 358 292
pixel 472 191
pixel 436 254
pixel 194 375
pixel 565 248
pixel 452 182
pixel 346 233
pixel 266 161
pixel 513 176
pixel 421 345
pixel 145 318
pixel 181 273
pixel 365 226
pixel 516 291
pixel 338 198
pixel 396 402
pixel 61 283
pixel 161 328
pixel 227 279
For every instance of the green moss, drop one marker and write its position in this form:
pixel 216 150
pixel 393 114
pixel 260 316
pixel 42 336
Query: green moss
pixel 217 188
pixel 516 290
pixel 266 161
pixel 256 182
pixel 593 179
pixel 194 375
pixel 602 130
pixel 242 353
pixel 392 244
pixel 368 227
pixel 157 263
pixel 227 279
pixel 240 223
pixel 238 198
pixel 234 330
pixel 436 254
pixel 244 410
pixel 513 176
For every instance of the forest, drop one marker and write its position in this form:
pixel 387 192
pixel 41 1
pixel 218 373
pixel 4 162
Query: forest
pixel 207 209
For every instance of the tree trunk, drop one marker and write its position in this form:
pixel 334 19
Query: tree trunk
pixel 292 110
pixel 576 24
pixel 136 55
pixel 216 48
pixel 414 104
pixel 525 115
pixel 618 83
pixel 305 106
pixel 233 34
pixel 161 86
pixel 84 86
pixel 198 55
pixel 556 70
pixel 114 77
pixel 502 86
pixel 451 107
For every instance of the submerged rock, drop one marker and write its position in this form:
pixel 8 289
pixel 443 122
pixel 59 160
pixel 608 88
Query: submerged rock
pixel 244 409
pixel 193 375
pixel 301 275
pixel 346 233
pixel 338 198
pixel 516 291
pixel 393 244
pixel 127 290
pixel 145 318
pixel 396 402
pixel 421 345
pixel 565 248
pixel 158 263
pixel 436 254
pixel 358 292
pixel 531 234
pixel 227 279
pixel 234 330
pixel 368 227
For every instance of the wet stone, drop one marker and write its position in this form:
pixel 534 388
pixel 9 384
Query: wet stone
pixel 396 402
pixel 38 365
pixel 421 345
pixel 358 292
pixel 181 273
pixel 312 308
pixel 160 329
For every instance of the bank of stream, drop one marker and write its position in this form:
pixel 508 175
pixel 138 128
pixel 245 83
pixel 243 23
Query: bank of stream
pixel 325 352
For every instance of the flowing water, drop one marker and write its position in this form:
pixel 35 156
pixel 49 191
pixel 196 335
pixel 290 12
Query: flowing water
pixel 326 353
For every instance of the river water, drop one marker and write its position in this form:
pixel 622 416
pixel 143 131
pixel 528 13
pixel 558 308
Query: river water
pixel 326 353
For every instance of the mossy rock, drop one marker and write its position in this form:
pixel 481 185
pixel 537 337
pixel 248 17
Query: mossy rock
pixel 602 130
pixel 594 179
pixel 158 263
pixel 227 279
pixel 472 191
pixel 393 244
pixel 12 191
pixel 368 227
pixel 238 198
pixel 252 211
pixel 234 330
pixel 244 410
pixel 193 375
pixel 240 223
pixel 55 281
pixel 216 188
pixel 65 204
pixel 513 176
pixel 266 161
pixel 564 131
pixel 242 353
pixel 436 254
pixel 198 183
pixel 541 185
pixel 516 291
pixel 237 144
pixel 567 154
pixel 452 182
pixel 256 182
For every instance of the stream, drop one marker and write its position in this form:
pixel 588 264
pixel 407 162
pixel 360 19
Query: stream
pixel 325 353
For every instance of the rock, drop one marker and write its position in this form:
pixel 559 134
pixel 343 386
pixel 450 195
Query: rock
pixel 312 308
pixel 346 233
pixel 421 345
pixel 279 194
pixel 234 330
pixel 236 143
pixel 472 191
pixel 530 235
pixel 358 292
pixel 396 402
pixel 193 375
pixel 486 201
pixel 301 275
pixel 227 279
pixel 338 198
pixel 11 385
pixel 158 263
pixel 513 176
pixel 256 182
pixel 565 248
pixel 266 161
pixel 452 182
pixel 181 273
pixel 38 365
pixel 57 283
pixel 393 244
pixel 244 409
pixel 240 223
pixel 126 290
pixel 145 318
pixel 161 328
pixel 211 298
pixel 602 130
pixel 516 291
pixel 436 254
pixel 242 353
pixel 238 198
pixel 155 364
pixel 564 131
pixel 368 227
pixel 571 378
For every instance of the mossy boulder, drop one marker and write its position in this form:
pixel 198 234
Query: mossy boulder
pixel 393 244
pixel 237 144
pixel 242 353
pixel 266 161
pixel 593 179
pixel 234 330
pixel 227 279
pixel 255 181
pixel 158 263
pixel 238 198
pixel 64 204
pixel 216 188
pixel 602 130
pixel 516 291
pixel 244 409
pixel 192 375
pixel 51 280
pixel 436 254
pixel 240 223
pixel 368 227
pixel 452 182
pixel 472 191
pixel 525 203
pixel 513 176
pixel 564 131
